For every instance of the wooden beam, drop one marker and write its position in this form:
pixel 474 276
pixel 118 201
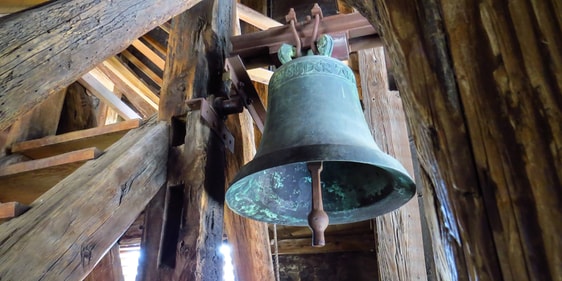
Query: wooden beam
pixel 255 18
pixel 400 251
pixel 106 95
pixel 10 210
pixel 141 103
pixel 109 267
pixel 67 45
pixel 156 45
pixel 126 75
pixel 143 67
pixel 26 181
pixel 257 48
pixel 34 125
pixel 249 239
pixel 100 137
pixel 148 53
pixel 176 78
pixel 78 220
pixel 132 237
pixel 250 253
pixel 149 266
pixel 485 112
pixel 334 244
pixel 288 232
pixel 194 230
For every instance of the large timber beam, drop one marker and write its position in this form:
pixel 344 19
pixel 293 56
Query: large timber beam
pixel 400 251
pixel 70 227
pixel 482 90
pixel 46 48
pixel 185 222
pixel 251 252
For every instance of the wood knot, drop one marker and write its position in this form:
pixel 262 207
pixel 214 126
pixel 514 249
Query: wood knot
pixel 86 254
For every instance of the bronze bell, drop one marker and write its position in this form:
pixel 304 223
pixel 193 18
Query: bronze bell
pixel 314 115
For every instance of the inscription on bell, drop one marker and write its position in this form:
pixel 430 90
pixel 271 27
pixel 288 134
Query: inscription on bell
pixel 305 66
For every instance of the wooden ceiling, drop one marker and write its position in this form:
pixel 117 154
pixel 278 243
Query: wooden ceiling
pixel 128 87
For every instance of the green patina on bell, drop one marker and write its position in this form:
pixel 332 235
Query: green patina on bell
pixel 314 114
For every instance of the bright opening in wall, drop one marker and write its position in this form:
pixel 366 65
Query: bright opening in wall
pixel 129 262
pixel 228 267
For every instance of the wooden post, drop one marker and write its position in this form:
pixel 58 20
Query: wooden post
pixel 249 239
pixel 251 252
pixel 64 39
pixel 399 242
pixel 481 88
pixel 109 268
pixel 71 226
pixel 185 221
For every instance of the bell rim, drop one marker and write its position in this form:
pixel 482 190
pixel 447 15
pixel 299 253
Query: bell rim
pixel 311 153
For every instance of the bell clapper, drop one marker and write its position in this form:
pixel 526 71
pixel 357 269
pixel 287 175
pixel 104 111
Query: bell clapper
pixel 317 219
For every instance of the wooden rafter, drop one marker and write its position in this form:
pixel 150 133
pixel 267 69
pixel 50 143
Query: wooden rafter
pixel 26 181
pixel 132 81
pixel 150 54
pixel 142 67
pixel 106 95
pixel 100 137
pixel 140 102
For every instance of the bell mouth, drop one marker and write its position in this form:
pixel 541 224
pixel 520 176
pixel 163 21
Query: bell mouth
pixel 371 184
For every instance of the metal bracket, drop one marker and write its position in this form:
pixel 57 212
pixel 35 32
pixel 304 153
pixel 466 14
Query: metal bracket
pixel 245 89
pixel 213 120
pixel 351 32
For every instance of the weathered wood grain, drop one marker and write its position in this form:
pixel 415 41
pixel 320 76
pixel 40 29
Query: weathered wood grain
pixel 142 67
pixel 100 137
pixel 249 239
pixel 251 255
pixel 46 48
pixel 10 210
pixel 26 181
pixel 194 65
pixel 481 86
pixel 108 268
pixel 149 267
pixel 135 96
pixel 33 124
pixel 400 252
pixel 78 111
pixel 71 227
pixel 334 244
pixel 106 95
pixel 131 79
